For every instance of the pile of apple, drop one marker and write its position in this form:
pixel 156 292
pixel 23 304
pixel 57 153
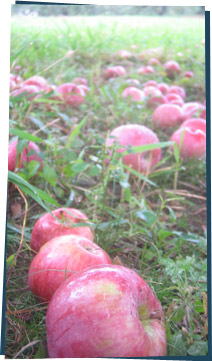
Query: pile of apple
pixel 72 93
pixel 169 110
pixel 96 308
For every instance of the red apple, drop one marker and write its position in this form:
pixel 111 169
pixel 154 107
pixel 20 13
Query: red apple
pixel 133 81
pixel 191 142
pixel 28 89
pixel 154 95
pixel 163 87
pixel 135 135
pixel 80 80
pixel 146 69
pixel 17 67
pixel 151 91
pixel 13 84
pixel 60 258
pixel 47 227
pixel 172 68
pixel 154 61
pixel 114 71
pixel 85 89
pixel 71 94
pixel 154 101
pixel 195 123
pixel 16 78
pixel 24 157
pixel 173 98
pixel 133 93
pixel 124 54
pixel 188 74
pixel 167 115
pixel 151 83
pixel 105 311
pixel 38 81
pixel 177 90
pixel 192 109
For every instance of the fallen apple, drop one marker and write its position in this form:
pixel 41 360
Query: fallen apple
pixel 188 74
pixel 154 96
pixel 71 94
pixel 135 135
pixel 174 98
pixel 124 54
pixel 26 90
pixel 172 68
pixel 133 93
pixel 154 61
pixel 177 90
pixel 79 80
pixel 48 227
pixel 151 82
pixel 24 155
pixel 195 123
pixel 193 109
pixel 38 81
pixel 163 87
pixel 114 72
pixel 105 311
pixel 146 69
pixel 191 142
pixel 60 258
pixel 167 115
pixel 133 82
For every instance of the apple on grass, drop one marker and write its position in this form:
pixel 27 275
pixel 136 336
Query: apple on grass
pixel 105 311
pixel 38 81
pixel 114 72
pixel 163 87
pixel 172 68
pixel 48 227
pixel 70 94
pixel 135 135
pixel 192 109
pixel 29 91
pixel 191 142
pixel 167 115
pixel 60 258
pixel 133 94
pixel 195 123
pixel 24 157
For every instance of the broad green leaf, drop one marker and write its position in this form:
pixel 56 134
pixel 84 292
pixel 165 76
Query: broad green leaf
pixel 50 175
pixel 177 346
pixel 146 216
pixel 94 171
pixel 33 167
pixel 79 167
pixel 199 348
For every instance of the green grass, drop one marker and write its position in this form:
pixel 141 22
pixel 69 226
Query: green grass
pixel 155 224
